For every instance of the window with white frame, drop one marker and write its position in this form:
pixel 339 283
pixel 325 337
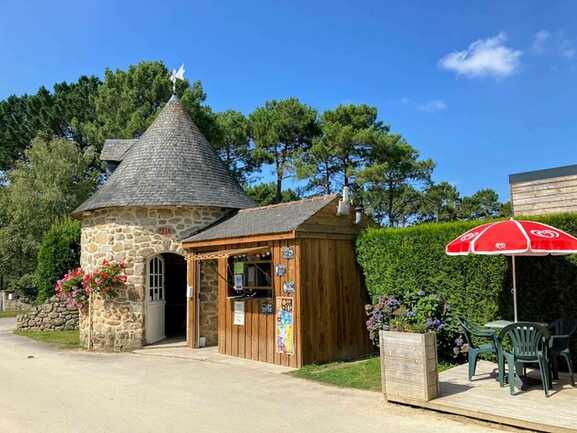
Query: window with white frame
pixel 156 279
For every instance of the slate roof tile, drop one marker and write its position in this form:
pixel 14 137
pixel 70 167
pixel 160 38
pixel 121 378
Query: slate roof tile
pixel 172 164
pixel 114 149
pixel 280 218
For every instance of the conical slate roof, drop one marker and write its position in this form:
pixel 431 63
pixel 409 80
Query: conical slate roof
pixel 172 164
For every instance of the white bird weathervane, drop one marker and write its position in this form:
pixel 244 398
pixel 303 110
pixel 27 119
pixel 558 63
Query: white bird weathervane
pixel 176 75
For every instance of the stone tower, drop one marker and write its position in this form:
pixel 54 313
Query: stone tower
pixel 165 186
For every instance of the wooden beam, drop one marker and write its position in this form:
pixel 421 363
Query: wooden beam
pixel 191 303
pixel 239 240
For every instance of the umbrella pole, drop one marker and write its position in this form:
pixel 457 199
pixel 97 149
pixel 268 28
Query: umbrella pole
pixel 514 288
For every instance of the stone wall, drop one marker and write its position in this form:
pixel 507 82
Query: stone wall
pixel 134 235
pixel 52 315
pixel 208 308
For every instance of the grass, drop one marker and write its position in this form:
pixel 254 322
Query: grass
pixel 4 314
pixel 365 374
pixel 62 338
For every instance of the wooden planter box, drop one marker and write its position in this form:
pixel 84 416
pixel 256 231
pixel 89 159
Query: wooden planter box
pixel 409 366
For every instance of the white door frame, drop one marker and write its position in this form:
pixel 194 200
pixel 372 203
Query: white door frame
pixel 155 329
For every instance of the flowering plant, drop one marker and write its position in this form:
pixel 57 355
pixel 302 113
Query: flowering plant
pixel 106 280
pixel 420 313
pixel 77 286
pixel 71 289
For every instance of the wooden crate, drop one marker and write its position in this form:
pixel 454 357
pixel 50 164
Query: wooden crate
pixel 409 366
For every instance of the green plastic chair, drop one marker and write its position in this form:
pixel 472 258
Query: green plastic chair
pixel 529 345
pixel 561 332
pixel 471 330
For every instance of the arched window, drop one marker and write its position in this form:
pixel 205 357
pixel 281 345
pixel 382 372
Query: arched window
pixel 156 279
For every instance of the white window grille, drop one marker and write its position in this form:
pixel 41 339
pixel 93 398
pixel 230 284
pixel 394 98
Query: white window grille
pixel 156 279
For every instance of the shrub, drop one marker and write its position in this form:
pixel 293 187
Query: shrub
pixel 58 252
pixel 421 313
pixel 401 262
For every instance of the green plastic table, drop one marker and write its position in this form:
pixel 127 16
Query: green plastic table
pixel 497 324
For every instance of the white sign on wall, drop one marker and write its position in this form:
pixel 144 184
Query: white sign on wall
pixel 239 313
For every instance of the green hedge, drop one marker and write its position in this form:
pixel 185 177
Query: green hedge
pixel 58 253
pixel 406 260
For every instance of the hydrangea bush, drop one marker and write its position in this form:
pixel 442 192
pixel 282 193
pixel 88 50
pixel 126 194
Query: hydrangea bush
pixel 419 312
pixel 76 286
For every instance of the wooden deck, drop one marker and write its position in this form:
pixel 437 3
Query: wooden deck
pixel 484 399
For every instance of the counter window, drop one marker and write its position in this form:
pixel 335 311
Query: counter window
pixel 250 275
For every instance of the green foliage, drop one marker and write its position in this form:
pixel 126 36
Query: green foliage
pixel 232 141
pixel 53 179
pixel 403 261
pixel 442 202
pixel 127 102
pixel 390 178
pixel 265 194
pixel 346 134
pixel 282 130
pixel 58 252
pixel 61 113
pixel 482 204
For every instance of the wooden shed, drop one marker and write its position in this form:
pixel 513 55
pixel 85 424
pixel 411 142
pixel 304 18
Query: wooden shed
pixel 290 291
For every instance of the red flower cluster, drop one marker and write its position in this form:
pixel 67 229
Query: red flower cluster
pixel 77 286
pixel 71 288
pixel 106 280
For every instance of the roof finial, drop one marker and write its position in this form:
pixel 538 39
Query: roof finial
pixel 176 75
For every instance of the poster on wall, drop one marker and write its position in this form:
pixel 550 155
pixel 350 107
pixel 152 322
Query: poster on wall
pixel 284 325
pixel 239 313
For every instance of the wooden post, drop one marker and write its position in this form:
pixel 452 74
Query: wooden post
pixel 191 303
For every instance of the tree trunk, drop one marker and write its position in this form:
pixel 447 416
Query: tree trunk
pixel 392 221
pixel 279 176
pixel 345 175
pixel 327 180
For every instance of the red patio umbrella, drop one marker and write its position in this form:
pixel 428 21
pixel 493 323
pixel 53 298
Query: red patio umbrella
pixel 513 238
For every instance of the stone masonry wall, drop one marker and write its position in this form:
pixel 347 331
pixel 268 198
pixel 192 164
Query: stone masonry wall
pixel 52 315
pixel 208 294
pixel 135 235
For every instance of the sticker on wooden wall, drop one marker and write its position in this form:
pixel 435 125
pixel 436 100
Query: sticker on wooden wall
pixel 239 267
pixel 288 253
pixel 238 280
pixel 280 270
pixel 239 313
pixel 288 287
pixel 266 308
pixel 284 325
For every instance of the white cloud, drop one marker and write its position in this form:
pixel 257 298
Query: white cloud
pixel 545 42
pixel 540 41
pixel 432 106
pixel 484 57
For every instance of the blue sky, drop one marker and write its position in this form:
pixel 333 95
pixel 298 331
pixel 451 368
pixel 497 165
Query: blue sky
pixel 484 88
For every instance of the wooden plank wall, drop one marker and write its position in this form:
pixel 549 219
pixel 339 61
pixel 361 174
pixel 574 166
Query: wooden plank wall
pixel 544 196
pixel 326 221
pixel 333 299
pixel 256 339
